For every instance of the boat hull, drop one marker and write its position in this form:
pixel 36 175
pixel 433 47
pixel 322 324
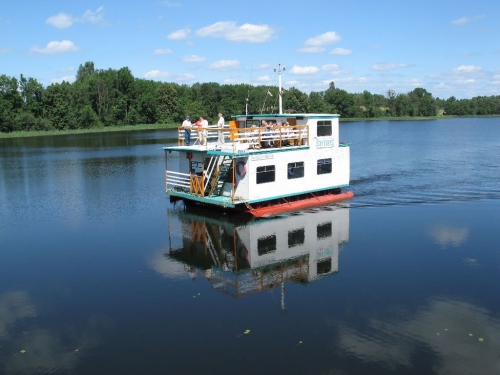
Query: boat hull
pixel 287 206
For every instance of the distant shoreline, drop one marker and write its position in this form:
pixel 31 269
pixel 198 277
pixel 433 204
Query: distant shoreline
pixel 41 133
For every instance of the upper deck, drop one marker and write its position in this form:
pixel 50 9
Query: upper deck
pixel 263 133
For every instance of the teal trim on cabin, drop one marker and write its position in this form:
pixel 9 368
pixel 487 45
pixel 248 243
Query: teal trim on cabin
pixel 239 154
pixel 226 201
pixel 245 153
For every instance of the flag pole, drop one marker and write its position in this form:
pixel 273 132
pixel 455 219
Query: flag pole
pixel 279 87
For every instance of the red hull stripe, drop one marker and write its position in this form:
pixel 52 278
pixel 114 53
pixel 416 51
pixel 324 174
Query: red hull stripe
pixel 297 205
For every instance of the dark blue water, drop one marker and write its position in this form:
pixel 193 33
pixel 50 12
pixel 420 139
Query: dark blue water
pixel 100 273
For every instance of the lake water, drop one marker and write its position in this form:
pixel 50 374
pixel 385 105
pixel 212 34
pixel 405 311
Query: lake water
pixel 101 274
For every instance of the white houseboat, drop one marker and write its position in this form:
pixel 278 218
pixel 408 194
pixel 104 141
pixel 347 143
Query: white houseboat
pixel 240 257
pixel 263 167
pixel 266 164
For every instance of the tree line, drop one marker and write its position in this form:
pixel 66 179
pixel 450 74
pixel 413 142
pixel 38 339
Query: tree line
pixel 101 98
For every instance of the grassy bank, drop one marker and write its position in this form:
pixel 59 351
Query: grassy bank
pixel 19 134
pixel 38 133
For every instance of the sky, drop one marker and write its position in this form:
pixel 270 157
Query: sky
pixel 450 48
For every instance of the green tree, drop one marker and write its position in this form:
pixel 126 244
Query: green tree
pixel 31 92
pixel 166 104
pixel 87 118
pixel 59 108
pixel 294 99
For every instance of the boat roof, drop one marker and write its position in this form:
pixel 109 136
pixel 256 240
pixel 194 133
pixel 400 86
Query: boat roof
pixel 288 115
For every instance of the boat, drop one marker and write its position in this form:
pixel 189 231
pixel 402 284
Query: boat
pixel 240 256
pixel 267 164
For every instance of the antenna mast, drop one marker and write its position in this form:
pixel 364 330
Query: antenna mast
pixel 280 69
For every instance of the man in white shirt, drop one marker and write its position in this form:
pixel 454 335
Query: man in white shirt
pixel 220 125
pixel 186 124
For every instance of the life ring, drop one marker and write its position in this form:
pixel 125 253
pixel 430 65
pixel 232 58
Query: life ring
pixel 241 169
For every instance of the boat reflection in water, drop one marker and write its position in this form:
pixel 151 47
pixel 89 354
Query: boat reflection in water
pixel 241 256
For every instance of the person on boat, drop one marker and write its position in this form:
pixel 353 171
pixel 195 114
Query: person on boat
pixel 220 125
pixel 202 130
pixel 254 137
pixel 186 124
pixel 267 134
pixel 287 130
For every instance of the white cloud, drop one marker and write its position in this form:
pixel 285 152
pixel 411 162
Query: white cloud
pixel 330 67
pixel 311 49
pixel 244 33
pixel 264 66
pixel 69 79
pixel 232 81
pixel 193 58
pixel 304 70
pixel 387 66
pixel 341 52
pixel 224 65
pixel 184 77
pixel 56 47
pixel 5 50
pixel 171 4
pixel 179 34
pixel 93 17
pixel 464 20
pixel 156 74
pixel 468 69
pixel 63 20
pixel 460 21
pixel 166 51
pixel 263 79
pixel 323 39
pixel 413 82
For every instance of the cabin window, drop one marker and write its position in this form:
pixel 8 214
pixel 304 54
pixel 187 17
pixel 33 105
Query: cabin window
pixel 295 170
pixel 324 266
pixel 266 244
pixel 265 174
pixel 324 230
pixel 296 237
pixel 324 128
pixel 324 166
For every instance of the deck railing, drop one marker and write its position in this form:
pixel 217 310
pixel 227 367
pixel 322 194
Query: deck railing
pixel 277 137
pixel 193 184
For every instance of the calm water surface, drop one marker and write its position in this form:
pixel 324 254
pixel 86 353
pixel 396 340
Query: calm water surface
pixel 100 273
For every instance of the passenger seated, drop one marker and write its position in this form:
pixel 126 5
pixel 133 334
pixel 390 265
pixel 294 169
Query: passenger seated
pixel 266 136
pixel 254 137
